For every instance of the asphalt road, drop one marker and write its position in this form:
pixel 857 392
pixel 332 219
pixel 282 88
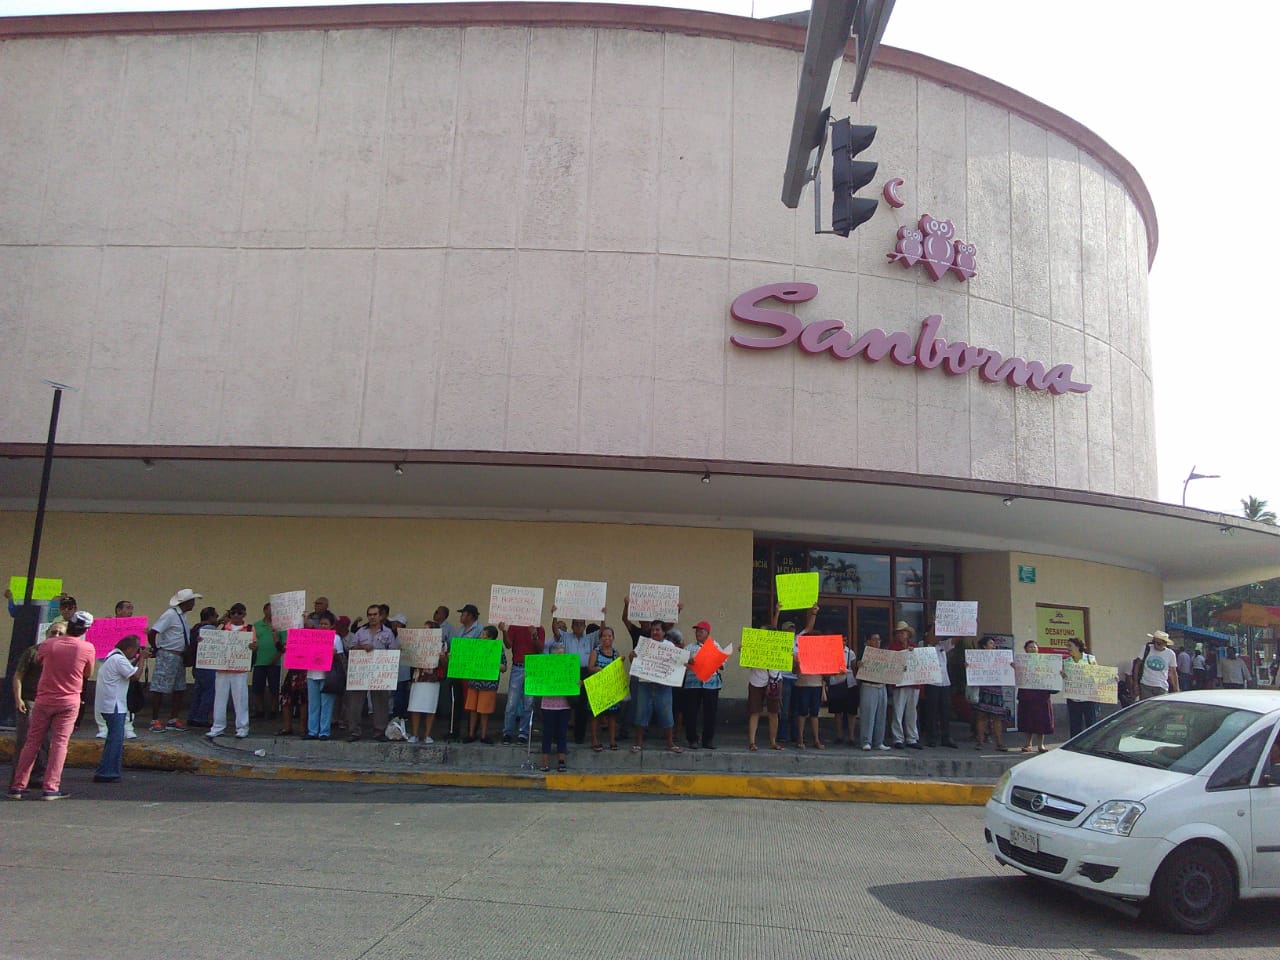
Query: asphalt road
pixel 178 866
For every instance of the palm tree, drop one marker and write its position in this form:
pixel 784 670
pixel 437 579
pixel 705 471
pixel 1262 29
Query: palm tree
pixel 1255 509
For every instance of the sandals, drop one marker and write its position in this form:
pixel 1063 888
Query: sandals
pixel 1027 749
pixel 675 748
pixel 752 747
pixel 596 748
pixel 1041 750
pixel 545 767
pixel 560 767
pixel 613 746
pixel 775 746
pixel 636 748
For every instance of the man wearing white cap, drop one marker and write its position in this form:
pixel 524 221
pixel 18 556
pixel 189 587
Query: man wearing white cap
pixel 168 638
pixel 1158 672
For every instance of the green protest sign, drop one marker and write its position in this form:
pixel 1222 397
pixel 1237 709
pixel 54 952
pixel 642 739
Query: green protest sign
pixel 474 658
pixel 607 687
pixel 766 649
pixel 551 674
pixel 797 591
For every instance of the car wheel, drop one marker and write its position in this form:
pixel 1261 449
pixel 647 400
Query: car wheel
pixel 1194 889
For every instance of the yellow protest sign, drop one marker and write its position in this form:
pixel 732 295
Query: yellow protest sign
pixel 766 649
pixel 607 687
pixel 797 591
pixel 42 588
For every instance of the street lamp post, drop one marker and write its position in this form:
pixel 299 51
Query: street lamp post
pixel 26 623
pixel 1195 476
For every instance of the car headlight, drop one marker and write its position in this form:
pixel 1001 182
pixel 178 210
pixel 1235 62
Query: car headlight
pixel 1115 817
pixel 1000 793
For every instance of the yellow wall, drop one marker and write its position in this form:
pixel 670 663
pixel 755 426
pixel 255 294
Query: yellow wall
pixel 985 577
pixel 411 564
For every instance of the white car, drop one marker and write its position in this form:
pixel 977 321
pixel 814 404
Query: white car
pixel 1174 802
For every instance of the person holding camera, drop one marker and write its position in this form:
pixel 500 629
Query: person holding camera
pixel 111 701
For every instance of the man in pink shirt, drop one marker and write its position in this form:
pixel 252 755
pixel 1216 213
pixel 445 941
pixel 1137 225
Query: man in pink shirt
pixel 67 663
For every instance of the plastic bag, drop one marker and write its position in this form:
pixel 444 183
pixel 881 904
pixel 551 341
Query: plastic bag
pixel 396 731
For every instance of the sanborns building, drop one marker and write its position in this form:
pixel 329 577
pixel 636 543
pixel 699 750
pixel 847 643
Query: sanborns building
pixel 397 302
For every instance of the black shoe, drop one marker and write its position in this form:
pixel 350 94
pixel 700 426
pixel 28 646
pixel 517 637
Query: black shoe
pixel 353 738
pixel 468 739
pixel 932 744
pixel 914 746
pixel 98 779
pixel 899 745
pixel 309 736
pixel 708 746
pixel 950 743
pixel 523 741
pixel 506 738
pixel 486 741
pixel 322 738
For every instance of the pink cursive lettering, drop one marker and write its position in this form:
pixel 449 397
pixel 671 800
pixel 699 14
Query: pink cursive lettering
pixel 930 350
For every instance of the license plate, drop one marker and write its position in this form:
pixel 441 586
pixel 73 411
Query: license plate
pixel 1025 839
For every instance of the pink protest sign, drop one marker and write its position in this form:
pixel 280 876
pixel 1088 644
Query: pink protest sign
pixel 107 631
pixel 308 650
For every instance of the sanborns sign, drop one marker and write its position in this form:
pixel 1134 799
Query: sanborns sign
pixel 928 351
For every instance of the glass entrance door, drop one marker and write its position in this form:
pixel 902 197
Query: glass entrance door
pixel 872 616
pixel 835 617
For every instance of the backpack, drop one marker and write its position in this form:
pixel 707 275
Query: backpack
pixel 1136 668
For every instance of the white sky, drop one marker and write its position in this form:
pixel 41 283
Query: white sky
pixel 1184 91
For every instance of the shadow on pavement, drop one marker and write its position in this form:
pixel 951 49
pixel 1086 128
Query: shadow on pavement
pixel 1018 911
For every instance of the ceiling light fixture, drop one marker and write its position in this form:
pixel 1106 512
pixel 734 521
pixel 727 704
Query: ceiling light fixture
pixel 399 470
pixel 147 464
pixel 1008 501
pixel 706 476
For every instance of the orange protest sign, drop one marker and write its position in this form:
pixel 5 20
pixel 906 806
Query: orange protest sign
pixel 709 659
pixel 821 654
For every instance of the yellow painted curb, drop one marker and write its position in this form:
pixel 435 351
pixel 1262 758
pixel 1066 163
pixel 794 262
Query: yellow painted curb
pixel 776 788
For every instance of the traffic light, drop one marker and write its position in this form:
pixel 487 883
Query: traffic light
pixel 849 176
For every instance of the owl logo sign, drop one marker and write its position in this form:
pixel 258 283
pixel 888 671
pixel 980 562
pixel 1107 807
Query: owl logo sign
pixel 933 243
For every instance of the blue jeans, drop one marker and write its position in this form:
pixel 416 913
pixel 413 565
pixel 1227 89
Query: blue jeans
pixel 518 705
pixel 873 703
pixel 202 697
pixel 113 749
pixel 319 709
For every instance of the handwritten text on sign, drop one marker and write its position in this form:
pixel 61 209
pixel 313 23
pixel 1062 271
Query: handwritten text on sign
pixel 420 647
pixel 514 606
pixel 106 632
pixel 1089 681
pixel 580 599
pixel 607 687
pixel 224 650
pixel 1038 671
pixel 881 666
pixel 653 601
pixel 766 649
pixel 660 663
pixel 922 667
pixel 956 618
pixel 373 669
pixel 308 650
pixel 287 609
pixel 988 668
pixel 796 591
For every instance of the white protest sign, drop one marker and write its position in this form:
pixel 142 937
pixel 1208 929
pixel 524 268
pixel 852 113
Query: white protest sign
pixel 653 601
pixel 420 647
pixel 988 668
pixel 580 599
pixel 515 606
pixel 373 669
pixel 659 662
pixel 922 667
pixel 956 618
pixel 1038 671
pixel 1090 681
pixel 287 610
pixel 224 650
pixel 881 666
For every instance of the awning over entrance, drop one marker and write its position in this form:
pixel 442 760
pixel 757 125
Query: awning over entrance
pixel 1249 615
pixel 1192 551
pixel 1196 633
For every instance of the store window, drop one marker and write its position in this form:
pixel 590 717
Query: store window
pixel 851 574
pixel 908 577
pixel 761 569
pixel 942 578
pixel 913 614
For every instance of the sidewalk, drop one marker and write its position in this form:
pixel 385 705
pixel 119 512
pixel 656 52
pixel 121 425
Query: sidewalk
pixel 840 772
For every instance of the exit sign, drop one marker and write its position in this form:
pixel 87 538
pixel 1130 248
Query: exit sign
pixel 1026 574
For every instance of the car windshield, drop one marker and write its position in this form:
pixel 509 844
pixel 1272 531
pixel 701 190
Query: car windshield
pixel 1168 734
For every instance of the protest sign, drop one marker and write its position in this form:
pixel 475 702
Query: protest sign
pixel 821 654
pixel 420 647
pixel 988 668
pixel 225 650
pixel 308 650
pixel 796 591
pixel 607 687
pixel 287 610
pixel 1037 671
pixel 475 658
pixel 1089 681
pixel 551 674
pixel 653 601
pixel 106 632
pixel 42 588
pixel 709 659
pixel 922 666
pixel 373 669
pixel 657 662
pixel 580 599
pixel 514 606
pixel 882 666
pixel 955 618
pixel 766 649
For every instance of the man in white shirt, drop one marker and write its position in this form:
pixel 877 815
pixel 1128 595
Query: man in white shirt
pixel 1158 672
pixel 168 639
pixel 111 702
